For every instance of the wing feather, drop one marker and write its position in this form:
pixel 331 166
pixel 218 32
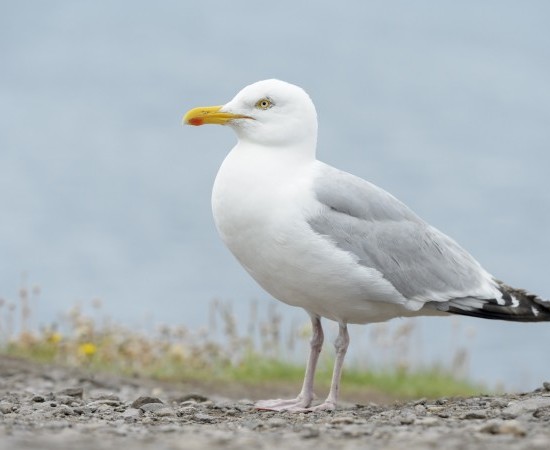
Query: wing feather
pixel 417 259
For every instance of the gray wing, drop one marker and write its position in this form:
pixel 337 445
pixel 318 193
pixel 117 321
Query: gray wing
pixel 384 234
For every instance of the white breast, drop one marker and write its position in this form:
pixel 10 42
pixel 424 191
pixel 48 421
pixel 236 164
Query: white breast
pixel 261 202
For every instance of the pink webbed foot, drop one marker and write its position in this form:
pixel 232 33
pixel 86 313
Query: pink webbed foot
pixel 326 406
pixel 295 404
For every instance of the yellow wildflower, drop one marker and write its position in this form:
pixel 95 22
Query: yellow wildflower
pixel 87 349
pixel 55 338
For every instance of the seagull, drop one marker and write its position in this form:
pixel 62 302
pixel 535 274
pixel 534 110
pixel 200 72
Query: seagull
pixel 331 243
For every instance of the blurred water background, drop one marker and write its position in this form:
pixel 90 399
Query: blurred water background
pixel 104 195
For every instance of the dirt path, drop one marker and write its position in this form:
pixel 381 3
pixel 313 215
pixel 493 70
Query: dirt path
pixel 45 407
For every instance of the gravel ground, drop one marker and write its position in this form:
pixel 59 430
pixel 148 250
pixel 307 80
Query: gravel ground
pixel 45 407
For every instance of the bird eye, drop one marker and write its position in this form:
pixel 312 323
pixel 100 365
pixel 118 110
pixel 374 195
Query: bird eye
pixel 264 103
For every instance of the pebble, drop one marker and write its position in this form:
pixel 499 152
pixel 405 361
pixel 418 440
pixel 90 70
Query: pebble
pixel 64 410
pixel 420 409
pixel 140 401
pixel 342 420
pixel 132 413
pixel 197 398
pixel 427 421
pixel 525 406
pixel 407 419
pixel 474 415
pixel 108 402
pixel 499 403
pixel 204 418
pixel 77 392
pixel 6 407
pixel 187 410
pixel 309 433
pixel 512 427
pixel 32 417
pixel 276 422
pixel 152 407
pixel 164 412
pixel 101 408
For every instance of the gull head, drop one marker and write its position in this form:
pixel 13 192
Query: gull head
pixel 268 113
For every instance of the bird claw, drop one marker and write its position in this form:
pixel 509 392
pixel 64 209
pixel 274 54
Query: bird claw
pixel 294 405
pixel 326 406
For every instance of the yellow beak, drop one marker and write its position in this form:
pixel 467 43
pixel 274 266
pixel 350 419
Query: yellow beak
pixel 210 114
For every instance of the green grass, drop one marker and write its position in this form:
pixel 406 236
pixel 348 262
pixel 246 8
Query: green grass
pixel 255 370
pixel 428 382
pixel 253 359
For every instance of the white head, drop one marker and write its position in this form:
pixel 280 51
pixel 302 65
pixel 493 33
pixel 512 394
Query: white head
pixel 271 113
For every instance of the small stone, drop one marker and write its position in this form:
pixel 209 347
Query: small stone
pixel 6 407
pixel 67 400
pixel 474 415
pixel 25 411
pixel 64 410
pixel 251 424
pixel 167 428
pixel 342 420
pixel 499 403
pixel 186 411
pixel 512 427
pixel 104 402
pixel 188 403
pixel 82 410
pixel 144 400
pixel 151 407
pixel 352 431
pixel 420 409
pixel 275 422
pixel 103 409
pixel 407 419
pixel 164 412
pixel 57 424
pixel 111 397
pixel 525 406
pixel 195 397
pixel 546 385
pixel 76 392
pixel 309 432
pixel 435 409
pixel 38 399
pixel 131 413
pixel 427 421
pixel 204 418
pixel 243 407
pixel 121 430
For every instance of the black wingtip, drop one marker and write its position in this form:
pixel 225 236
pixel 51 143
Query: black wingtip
pixel 516 305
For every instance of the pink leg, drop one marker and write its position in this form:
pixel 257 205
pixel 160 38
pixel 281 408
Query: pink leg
pixel 341 346
pixel 305 397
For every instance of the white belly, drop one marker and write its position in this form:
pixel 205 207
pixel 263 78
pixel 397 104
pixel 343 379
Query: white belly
pixel 261 214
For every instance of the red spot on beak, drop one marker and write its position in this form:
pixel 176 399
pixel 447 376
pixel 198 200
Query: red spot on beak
pixel 196 121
